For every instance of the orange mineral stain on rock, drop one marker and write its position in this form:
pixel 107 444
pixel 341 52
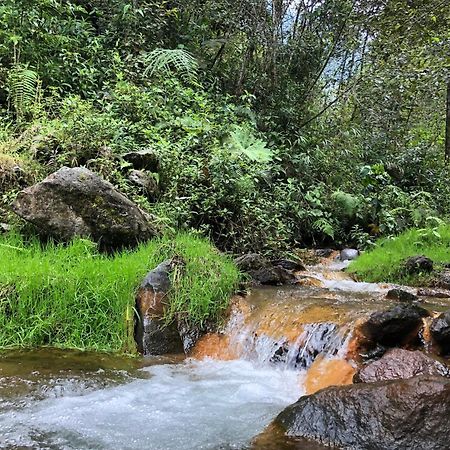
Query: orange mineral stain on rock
pixel 214 345
pixel 326 372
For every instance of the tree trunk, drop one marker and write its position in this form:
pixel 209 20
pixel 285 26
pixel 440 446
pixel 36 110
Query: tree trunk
pixel 447 124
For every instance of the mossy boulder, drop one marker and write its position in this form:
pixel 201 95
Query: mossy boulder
pixel 77 202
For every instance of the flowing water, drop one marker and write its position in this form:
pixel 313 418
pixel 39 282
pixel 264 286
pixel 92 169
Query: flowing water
pixel 279 344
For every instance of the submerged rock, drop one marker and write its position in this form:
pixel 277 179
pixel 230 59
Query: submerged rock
pixel 418 264
pixel 394 327
pixel 77 202
pixel 153 336
pixel 388 415
pixel 440 332
pixel 400 364
pixel 348 254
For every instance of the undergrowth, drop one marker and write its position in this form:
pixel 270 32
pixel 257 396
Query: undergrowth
pixel 385 262
pixel 70 296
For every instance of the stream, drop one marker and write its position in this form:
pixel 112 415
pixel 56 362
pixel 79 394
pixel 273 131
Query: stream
pixel 280 343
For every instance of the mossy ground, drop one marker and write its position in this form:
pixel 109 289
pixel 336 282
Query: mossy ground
pixel 71 296
pixel 385 262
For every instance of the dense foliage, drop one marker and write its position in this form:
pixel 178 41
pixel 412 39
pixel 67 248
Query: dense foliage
pixel 275 123
pixel 73 297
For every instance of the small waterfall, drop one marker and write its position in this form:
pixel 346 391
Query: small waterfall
pixel 272 336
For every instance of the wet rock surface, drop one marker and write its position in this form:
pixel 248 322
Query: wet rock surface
pixel 440 332
pixel 400 364
pixel 77 202
pixel 152 335
pixel 388 415
pixel 401 295
pixel 394 327
pixel 423 292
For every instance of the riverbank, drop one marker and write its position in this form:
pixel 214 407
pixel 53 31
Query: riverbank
pixel 387 262
pixel 72 296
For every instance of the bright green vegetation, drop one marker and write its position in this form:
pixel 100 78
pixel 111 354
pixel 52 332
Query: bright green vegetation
pixel 385 261
pixel 73 297
pixel 276 125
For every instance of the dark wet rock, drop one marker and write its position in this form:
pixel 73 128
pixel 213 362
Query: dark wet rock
pixel 263 271
pixel 289 264
pixel 394 327
pixel 443 280
pixel 418 264
pixel 152 335
pixel 348 254
pixel 440 332
pixel 433 293
pixel 374 353
pixel 387 415
pixel 145 159
pixel 190 334
pixel 144 180
pixel 77 202
pixel 324 252
pixel 400 364
pixel 401 295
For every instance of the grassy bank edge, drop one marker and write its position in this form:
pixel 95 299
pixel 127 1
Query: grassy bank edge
pixel 385 262
pixel 70 296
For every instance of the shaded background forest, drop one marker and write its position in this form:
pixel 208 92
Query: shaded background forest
pixel 265 124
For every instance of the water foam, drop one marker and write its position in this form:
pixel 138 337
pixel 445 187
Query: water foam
pixel 193 405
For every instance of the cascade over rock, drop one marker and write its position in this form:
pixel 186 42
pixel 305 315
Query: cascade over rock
pixel 77 202
pixel 388 415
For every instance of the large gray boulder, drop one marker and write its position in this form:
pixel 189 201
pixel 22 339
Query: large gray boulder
pixel 77 202
pixel 387 415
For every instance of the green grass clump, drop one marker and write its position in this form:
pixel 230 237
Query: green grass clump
pixel 71 296
pixel 385 261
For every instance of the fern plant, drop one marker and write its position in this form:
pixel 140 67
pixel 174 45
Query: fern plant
pixel 24 89
pixel 177 61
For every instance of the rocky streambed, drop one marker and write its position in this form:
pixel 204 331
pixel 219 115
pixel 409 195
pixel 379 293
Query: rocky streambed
pixel 325 361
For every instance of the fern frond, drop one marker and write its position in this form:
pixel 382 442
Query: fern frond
pixel 23 88
pixel 169 61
